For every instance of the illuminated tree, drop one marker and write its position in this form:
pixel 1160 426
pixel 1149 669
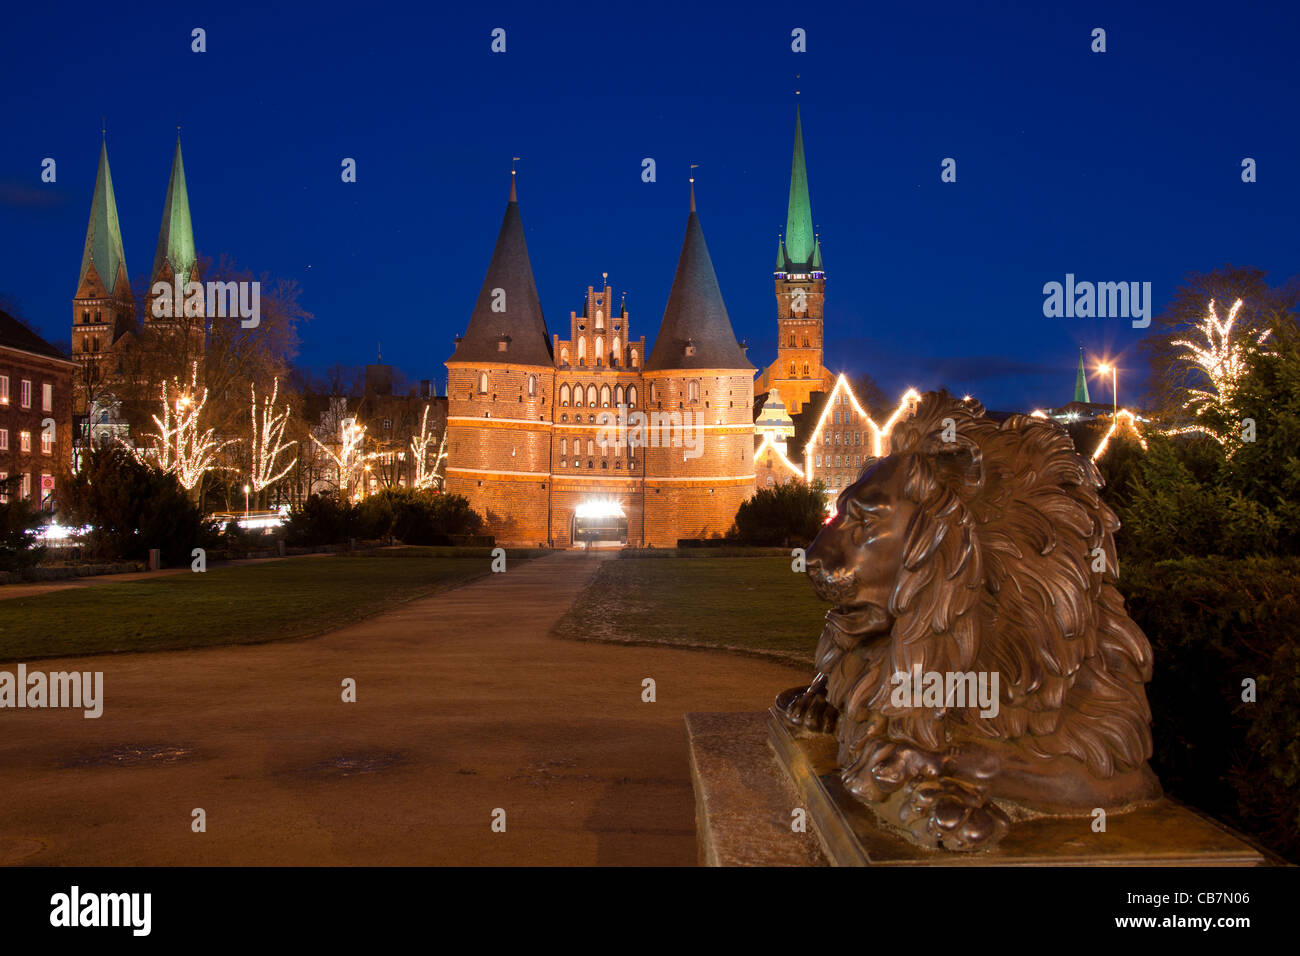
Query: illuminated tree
pixel 267 445
pixel 428 475
pixel 1221 356
pixel 351 461
pixel 180 446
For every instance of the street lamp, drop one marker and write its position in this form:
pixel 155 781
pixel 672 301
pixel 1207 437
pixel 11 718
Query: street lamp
pixel 1105 368
pixel 245 502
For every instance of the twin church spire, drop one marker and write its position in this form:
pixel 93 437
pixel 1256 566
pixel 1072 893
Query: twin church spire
pixel 103 260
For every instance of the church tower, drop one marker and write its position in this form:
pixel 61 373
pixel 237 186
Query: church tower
pixel 501 395
pixel 177 322
pixel 700 393
pixel 103 308
pixel 800 290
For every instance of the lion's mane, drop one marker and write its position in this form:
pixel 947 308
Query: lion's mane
pixel 998 576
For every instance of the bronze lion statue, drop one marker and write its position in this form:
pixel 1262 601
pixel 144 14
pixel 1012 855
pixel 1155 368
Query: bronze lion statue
pixel 978 665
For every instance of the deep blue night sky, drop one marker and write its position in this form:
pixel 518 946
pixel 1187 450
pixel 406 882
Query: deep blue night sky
pixel 1115 166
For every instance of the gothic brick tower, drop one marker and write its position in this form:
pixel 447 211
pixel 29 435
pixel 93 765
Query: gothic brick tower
pixel 103 308
pixel 176 326
pixel 798 371
pixel 501 396
pixel 700 393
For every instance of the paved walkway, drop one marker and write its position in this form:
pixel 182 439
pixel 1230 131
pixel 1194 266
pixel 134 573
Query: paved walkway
pixel 464 705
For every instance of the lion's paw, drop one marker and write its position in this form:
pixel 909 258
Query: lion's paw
pixel 953 814
pixel 812 711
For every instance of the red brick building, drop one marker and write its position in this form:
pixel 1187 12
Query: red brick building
pixel 541 428
pixel 35 413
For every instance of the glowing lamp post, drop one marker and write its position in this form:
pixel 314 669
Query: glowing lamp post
pixel 245 501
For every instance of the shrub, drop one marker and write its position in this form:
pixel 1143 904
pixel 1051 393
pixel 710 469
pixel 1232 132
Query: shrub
pixel 19 523
pixel 785 515
pixel 133 507
pixel 413 517
pixel 322 519
pixel 1212 623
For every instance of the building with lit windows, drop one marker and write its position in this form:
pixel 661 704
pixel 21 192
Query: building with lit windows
pixel 35 413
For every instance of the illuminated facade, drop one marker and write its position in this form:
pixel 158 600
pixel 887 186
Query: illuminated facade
pixel 542 428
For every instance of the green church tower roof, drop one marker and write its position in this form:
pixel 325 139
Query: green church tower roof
pixel 800 242
pixel 103 234
pixel 176 237
pixel 1081 382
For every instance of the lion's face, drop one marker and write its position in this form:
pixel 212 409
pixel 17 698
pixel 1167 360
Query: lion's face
pixel 855 561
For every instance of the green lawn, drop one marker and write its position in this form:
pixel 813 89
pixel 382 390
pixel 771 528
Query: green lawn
pixel 753 604
pixel 277 600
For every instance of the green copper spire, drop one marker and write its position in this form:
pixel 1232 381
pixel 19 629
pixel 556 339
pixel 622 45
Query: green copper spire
pixel 103 235
pixel 780 255
pixel 1081 382
pixel 799 240
pixel 817 257
pixel 176 237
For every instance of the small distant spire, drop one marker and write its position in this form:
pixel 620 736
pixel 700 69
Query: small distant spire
pixel 1081 382
pixel 103 128
pixel 513 195
pixel 379 353
pixel 692 178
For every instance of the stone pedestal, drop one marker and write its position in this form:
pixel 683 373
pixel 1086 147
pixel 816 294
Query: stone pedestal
pixel 751 771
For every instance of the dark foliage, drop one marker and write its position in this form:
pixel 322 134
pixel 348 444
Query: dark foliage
pixel 1214 623
pixel 19 523
pixel 132 507
pixel 412 517
pixel 788 515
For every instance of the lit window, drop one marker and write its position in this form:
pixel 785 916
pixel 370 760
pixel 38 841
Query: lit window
pixel 25 393
pixel 4 389
pixel 47 443
pixel 25 441
pixel 532 385
pixel 482 383
pixel 631 395
pixel 47 397
pixel 26 491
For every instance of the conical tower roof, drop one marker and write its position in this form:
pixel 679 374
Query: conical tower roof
pixel 176 237
pixel 696 315
pixel 800 242
pixel 1081 382
pixel 103 247
pixel 520 323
